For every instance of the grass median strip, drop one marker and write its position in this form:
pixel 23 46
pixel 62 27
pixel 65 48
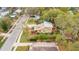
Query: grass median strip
pixel 1 43
pixel 22 48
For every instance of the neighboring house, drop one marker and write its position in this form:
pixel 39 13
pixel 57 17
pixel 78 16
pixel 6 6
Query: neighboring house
pixel 3 9
pixel 2 14
pixel 45 27
pixel 13 15
pixel 18 11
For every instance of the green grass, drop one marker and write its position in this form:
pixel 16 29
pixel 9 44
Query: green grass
pixel 25 35
pixel 42 37
pixel 26 32
pixel 23 38
pixel 31 21
pixel 1 38
pixel 22 48
pixel 1 43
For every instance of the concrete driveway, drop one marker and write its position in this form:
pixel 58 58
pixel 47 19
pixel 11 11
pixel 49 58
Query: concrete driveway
pixel 44 46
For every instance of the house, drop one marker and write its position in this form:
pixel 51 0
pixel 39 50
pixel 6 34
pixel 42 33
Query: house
pixel 13 15
pixel 3 9
pixel 45 27
pixel 18 11
pixel 4 13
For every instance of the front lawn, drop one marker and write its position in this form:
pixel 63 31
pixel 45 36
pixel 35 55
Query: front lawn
pixel 26 33
pixel 31 21
pixel 23 37
pixel 22 48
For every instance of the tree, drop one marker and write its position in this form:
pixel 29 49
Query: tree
pixel 5 24
pixel 50 15
pixel 33 10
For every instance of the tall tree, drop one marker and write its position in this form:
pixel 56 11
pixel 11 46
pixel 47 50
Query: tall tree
pixel 5 24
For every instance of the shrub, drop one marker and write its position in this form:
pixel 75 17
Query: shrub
pixel 43 37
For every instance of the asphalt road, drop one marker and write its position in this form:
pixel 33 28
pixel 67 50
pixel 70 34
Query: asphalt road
pixel 14 35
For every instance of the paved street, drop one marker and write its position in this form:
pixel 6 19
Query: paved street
pixel 14 35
